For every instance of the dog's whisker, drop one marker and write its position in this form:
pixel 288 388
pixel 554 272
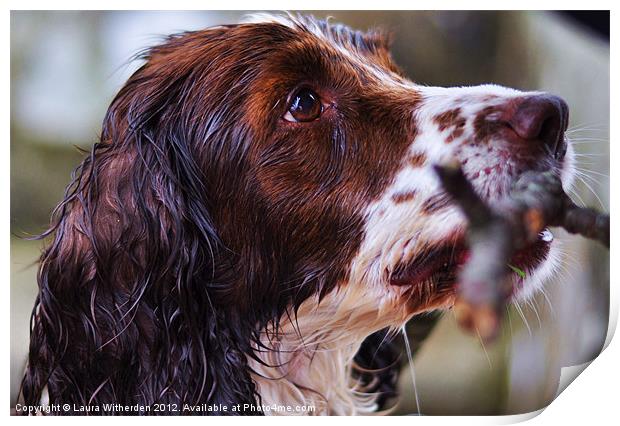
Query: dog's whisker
pixel 575 194
pixel 411 370
pixel 583 180
pixel 522 315
pixel 484 349
pixel 509 322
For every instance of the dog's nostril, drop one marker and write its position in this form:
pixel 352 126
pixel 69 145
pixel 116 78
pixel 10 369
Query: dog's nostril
pixel 541 118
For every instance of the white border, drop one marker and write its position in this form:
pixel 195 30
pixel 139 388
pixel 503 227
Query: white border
pixel 593 396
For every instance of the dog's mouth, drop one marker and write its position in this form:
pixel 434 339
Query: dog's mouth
pixel 441 264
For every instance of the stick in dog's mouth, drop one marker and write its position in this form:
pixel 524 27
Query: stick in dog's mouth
pixel 498 241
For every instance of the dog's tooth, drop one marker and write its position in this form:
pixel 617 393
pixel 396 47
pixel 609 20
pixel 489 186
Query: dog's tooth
pixel 546 236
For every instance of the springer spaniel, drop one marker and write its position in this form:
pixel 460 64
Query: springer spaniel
pixel 261 200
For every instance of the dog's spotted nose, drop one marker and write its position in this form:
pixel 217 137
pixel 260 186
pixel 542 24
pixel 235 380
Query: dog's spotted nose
pixel 542 118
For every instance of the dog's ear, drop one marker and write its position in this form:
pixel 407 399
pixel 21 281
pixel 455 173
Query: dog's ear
pixel 128 306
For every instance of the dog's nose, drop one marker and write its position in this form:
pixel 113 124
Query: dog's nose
pixel 542 118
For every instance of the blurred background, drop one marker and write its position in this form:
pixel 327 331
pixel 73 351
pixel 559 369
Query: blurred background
pixel 67 66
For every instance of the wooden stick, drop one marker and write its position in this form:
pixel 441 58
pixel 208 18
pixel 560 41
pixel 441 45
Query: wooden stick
pixel 536 201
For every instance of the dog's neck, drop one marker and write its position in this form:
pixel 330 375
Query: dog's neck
pixel 309 363
pixel 311 379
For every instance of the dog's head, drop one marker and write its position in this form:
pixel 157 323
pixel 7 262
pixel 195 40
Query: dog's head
pixel 316 154
pixel 251 174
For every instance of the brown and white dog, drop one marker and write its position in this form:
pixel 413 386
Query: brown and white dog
pixel 261 200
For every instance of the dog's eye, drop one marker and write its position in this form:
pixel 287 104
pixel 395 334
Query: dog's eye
pixel 305 105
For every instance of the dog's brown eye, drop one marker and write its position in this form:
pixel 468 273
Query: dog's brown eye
pixel 305 106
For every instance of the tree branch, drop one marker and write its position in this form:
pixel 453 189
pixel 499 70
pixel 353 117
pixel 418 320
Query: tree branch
pixel 536 201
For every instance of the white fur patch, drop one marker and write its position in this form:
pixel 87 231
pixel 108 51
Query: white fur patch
pixel 310 363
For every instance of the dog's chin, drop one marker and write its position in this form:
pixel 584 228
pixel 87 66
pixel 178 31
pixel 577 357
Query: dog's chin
pixel 434 273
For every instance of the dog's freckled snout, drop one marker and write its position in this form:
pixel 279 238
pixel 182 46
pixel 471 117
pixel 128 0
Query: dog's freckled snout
pixel 541 118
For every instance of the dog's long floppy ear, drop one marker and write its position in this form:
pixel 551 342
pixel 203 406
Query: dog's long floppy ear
pixel 127 309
